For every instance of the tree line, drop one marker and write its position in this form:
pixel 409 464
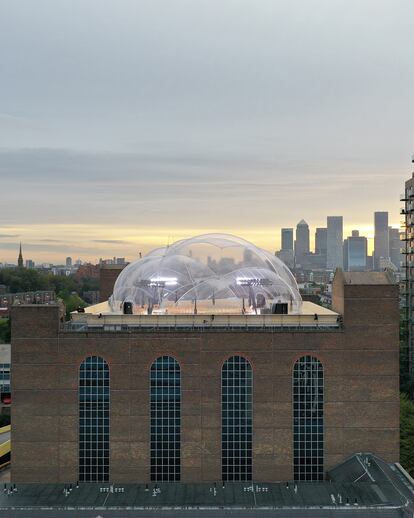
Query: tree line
pixel 67 288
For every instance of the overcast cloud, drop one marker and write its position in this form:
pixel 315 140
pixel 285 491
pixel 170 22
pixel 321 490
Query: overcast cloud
pixel 125 123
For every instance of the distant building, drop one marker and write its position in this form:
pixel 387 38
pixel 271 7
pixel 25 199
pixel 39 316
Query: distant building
pixel 381 238
pixel 334 242
pixel 286 254
pixel 355 253
pixel 321 245
pixel 20 258
pixel 114 260
pixel 395 247
pixel 62 271
pixel 247 257
pixel 68 262
pixel 7 300
pixel 311 261
pixel 287 239
pixel 301 243
pixel 87 270
pixel 287 257
pixel 30 264
pixel 108 273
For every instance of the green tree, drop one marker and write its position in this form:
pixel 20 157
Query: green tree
pixel 23 279
pixel 68 288
pixel 4 330
pixel 72 301
pixel 63 283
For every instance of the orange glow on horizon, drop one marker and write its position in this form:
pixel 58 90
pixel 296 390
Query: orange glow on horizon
pixel 53 243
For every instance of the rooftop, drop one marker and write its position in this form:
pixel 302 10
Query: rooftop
pixel 384 491
pixel 106 266
pixel 100 317
pixel 368 278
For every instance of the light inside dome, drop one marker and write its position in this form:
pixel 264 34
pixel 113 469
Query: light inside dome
pixel 246 281
pixel 212 274
pixel 163 281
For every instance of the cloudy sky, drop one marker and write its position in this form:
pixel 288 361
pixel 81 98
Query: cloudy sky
pixel 128 124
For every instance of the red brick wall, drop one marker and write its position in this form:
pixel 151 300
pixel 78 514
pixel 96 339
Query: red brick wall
pixel 361 369
pixel 108 274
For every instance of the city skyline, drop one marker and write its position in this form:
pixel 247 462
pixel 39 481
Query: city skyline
pixel 47 250
pixel 159 120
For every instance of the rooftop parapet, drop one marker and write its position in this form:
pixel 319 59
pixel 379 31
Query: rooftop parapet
pixel 312 317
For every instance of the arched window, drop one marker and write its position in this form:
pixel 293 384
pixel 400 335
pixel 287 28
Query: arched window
pixel 165 420
pixel 94 420
pixel 237 418
pixel 308 427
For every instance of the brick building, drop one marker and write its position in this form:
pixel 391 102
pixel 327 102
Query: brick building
pixel 200 397
pixel 108 274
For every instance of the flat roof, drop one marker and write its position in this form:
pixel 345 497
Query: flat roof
pixel 308 308
pixel 349 512
pixel 368 278
pixel 240 495
pixel 383 490
pixel 112 266
pixel 99 317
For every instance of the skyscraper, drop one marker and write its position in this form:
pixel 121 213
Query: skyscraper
pixel 320 241
pixel 355 253
pixel 286 253
pixel 68 262
pixel 334 242
pixel 302 242
pixel 381 238
pixel 287 239
pixel 319 258
pixel 395 247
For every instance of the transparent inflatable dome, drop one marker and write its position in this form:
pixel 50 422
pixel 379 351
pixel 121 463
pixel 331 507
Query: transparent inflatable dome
pixel 211 274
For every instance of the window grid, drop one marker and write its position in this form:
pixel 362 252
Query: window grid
pixel 308 425
pixel 165 386
pixel 237 419
pixel 94 404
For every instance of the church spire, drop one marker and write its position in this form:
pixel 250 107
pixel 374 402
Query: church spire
pixel 20 258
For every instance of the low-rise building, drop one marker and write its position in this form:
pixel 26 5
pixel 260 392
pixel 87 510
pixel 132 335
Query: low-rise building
pixel 193 375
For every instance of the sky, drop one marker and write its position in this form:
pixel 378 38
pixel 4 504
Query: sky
pixel 129 124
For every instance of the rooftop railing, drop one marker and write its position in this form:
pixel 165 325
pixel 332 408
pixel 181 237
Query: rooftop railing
pixel 137 323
